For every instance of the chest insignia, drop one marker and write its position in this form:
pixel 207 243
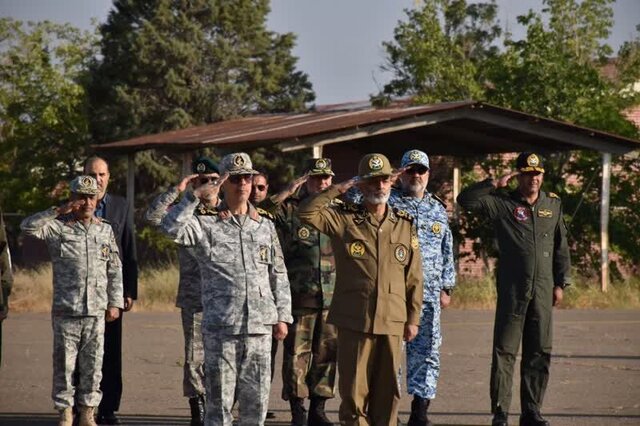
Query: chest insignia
pixel 545 213
pixel 105 250
pixel 357 249
pixel 263 253
pixel 521 214
pixel 400 253
pixel 436 228
pixel 415 243
pixel 303 233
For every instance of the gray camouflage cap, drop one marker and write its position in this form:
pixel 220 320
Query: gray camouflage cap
pixel 414 157
pixel 238 163
pixel 84 185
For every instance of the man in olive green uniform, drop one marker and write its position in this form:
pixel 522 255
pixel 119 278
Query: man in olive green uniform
pixel 309 362
pixel 378 292
pixel 533 270
pixel 6 278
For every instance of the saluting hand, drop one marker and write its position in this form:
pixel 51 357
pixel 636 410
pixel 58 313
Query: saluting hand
pixel 396 174
pixel 345 185
pixel 503 180
pixel 70 206
pixel 291 188
pixel 185 182
pixel 210 190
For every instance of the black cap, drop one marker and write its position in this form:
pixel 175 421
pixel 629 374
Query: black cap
pixel 529 162
pixel 204 165
pixel 319 166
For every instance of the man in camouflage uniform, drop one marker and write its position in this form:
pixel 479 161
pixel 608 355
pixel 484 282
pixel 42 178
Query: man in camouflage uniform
pixel 309 362
pixel 188 299
pixel 245 290
pixel 6 278
pixel 533 269
pixel 378 292
pixel 87 290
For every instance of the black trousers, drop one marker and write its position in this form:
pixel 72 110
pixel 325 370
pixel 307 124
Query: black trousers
pixel 111 384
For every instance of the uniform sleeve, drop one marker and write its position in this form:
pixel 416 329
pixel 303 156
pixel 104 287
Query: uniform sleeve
pixel 479 198
pixel 42 226
pixel 180 223
pixel 278 210
pixel 561 256
pixel 115 296
pixel 448 278
pixel 279 281
pixel 315 211
pixel 6 274
pixel 414 281
pixel 129 258
pixel 160 205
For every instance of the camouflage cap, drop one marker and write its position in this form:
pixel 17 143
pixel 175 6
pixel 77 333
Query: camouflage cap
pixel 372 165
pixel 529 162
pixel 204 165
pixel 319 167
pixel 414 157
pixel 238 163
pixel 84 185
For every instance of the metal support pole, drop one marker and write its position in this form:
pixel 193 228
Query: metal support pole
pixel 317 151
pixel 131 167
pixel 456 211
pixel 187 158
pixel 604 220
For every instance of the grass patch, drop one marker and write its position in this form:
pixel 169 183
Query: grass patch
pixel 157 289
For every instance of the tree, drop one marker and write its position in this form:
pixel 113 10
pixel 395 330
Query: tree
pixel 43 110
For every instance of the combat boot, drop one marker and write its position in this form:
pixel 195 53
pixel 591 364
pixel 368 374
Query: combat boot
pixel 298 413
pixel 66 417
pixel 500 418
pixel 317 416
pixel 197 411
pixel 86 416
pixel 533 418
pixel 419 407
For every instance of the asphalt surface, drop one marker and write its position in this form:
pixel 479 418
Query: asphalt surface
pixel 595 373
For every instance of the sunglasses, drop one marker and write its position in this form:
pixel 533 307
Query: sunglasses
pixel 260 187
pixel 417 169
pixel 205 180
pixel 236 179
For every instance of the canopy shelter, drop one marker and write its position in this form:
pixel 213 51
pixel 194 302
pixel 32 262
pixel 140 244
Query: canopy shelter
pixel 346 132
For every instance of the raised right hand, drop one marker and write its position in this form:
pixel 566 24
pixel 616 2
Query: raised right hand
pixel 210 191
pixel 345 185
pixel 185 182
pixel 70 206
pixel 503 180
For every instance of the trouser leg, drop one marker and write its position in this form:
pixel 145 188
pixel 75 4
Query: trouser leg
pixel 322 372
pixel 111 384
pixel 193 370
pixel 423 353
pixel 297 356
pixel 221 360
pixel 253 382
pixel 66 340
pixel 384 397
pixel 90 355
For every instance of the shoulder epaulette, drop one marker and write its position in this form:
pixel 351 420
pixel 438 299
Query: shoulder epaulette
pixel 263 212
pixel 403 214
pixel 103 220
pixel 553 195
pixel 350 207
pixel 205 211
pixel 337 202
pixel 440 200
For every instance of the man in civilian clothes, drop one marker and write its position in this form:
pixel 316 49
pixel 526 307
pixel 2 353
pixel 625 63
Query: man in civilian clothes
pixel 116 210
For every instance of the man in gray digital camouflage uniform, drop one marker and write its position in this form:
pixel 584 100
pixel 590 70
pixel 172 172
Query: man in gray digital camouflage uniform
pixel 188 300
pixel 87 290
pixel 245 290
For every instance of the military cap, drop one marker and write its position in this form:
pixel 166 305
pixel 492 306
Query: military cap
pixel 372 165
pixel 529 162
pixel 237 163
pixel 84 185
pixel 414 157
pixel 319 167
pixel 204 165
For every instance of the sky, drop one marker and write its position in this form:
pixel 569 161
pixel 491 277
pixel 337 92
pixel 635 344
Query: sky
pixel 339 42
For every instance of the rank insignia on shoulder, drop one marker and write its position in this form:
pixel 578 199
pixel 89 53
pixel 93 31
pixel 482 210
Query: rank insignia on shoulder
pixel 357 249
pixel 206 211
pixel 436 228
pixel 545 213
pixel 553 195
pixel 350 207
pixel 440 200
pixel 303 233
pixel 403 214
pixel 415 243
pixel 400 253
pixel 263 212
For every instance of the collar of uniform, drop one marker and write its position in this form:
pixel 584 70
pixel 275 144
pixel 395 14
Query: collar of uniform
pixel 427 195
pixel 517 195
pixel 391 215
pixel 224 212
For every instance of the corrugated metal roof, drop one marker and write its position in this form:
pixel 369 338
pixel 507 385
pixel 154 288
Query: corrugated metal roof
pixel 268 129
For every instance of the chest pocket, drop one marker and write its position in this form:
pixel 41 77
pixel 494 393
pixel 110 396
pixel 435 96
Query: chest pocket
pixel 71 246
pixel 224 249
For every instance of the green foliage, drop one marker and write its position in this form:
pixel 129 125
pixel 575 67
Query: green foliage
pixel 43 124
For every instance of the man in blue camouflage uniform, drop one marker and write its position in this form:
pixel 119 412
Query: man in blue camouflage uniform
pixel 189 299
pixel 245 290
pixel 87 290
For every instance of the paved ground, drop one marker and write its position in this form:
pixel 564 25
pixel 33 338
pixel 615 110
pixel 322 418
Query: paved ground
pixel 595 378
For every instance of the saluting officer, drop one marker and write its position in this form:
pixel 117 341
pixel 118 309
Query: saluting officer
pixel 189 298
pixel 533 270
pixel 378 292
pixel 245 290
pixel 309 362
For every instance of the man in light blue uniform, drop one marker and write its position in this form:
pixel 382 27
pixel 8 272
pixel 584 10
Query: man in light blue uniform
pixel 434 235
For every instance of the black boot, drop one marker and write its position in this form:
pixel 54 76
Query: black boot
pixel 419 407
pixel 298 413
pixel 532 418
pixel 500 418
pixel 317 416
pixel 197 410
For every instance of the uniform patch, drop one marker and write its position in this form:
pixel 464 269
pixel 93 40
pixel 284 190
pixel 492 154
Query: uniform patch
pixel 263 252
pixel 201 167
pixel 415 156
pixel 321 163
pixel 238 160
pixel 415 242
pixel 357 249
pixel 436 228
pixel 303 233
pixel 400 253
pixel 105 250
pixel 521 214
pixel 545 213
pixel 533 161
pixel 375 163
